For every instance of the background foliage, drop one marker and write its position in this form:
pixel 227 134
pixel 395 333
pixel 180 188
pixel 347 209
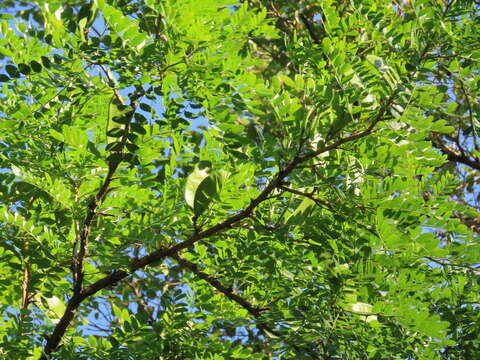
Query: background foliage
pixel 225 179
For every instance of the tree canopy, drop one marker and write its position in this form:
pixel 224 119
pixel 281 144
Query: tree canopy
pixel 226 179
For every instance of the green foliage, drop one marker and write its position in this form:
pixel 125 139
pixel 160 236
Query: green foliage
pixel 226 179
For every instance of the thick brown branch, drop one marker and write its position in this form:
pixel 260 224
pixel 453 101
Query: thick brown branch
pixel 310 29
pixel 255 311
pixel 455 156
pixel 25 281
pixel 156 256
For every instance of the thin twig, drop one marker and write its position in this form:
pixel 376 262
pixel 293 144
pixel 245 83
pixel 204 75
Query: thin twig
pixel 26 298
pixel 443 263
pixel 307 195
pixel 138 293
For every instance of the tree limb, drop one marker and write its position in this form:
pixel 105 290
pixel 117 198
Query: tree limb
pixel 310 29
pixel 229 293
pixel 455 156
pixel 160 254
pixel 252 310
pixel 307 195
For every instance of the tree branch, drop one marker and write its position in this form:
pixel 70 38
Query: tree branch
pixel 252 310
pixel 307 195
pixel 26 296
pixel 255 311
pixel 79 258
pixel 310 29
pixel 445 263
pixel 453 155
pixel 160 254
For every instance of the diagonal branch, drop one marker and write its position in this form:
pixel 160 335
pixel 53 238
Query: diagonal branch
pixel 252 310
pixel 229 293
pixel 310 29
pixel 79 258
pixel 307 195
pixel 455 156
pixel 160 254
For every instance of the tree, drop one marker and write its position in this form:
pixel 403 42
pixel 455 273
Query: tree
pixel 239 179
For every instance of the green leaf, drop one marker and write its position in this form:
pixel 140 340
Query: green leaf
pixel 12 71
pixel 56 305
pixel 56 135
pixel 116 132
pixel 123 119
pixel 131 147
pixel 200 188
pixel 305 204
pixel 138 128
pixel 326 45
pixel 35 66
pixel 57 58
pixel 24 69
pixel 115 146
pixel 46 62
pixel 145 107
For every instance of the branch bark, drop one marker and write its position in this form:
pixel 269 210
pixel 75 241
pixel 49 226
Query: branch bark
pixel 26 279
pixel 455 156
pixel 255 311
pixel 156 256
pixel 79 258
pixel 307 195
pixel 252 310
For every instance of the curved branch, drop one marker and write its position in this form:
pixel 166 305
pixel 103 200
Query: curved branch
pixel 455 156
pixel 254 311
pixel 310 29
pixel 229 293
pixel 160 254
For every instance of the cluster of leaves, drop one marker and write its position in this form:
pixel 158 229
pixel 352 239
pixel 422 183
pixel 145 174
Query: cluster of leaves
pixel 226 179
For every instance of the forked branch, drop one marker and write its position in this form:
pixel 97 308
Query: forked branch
pixel 160 254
